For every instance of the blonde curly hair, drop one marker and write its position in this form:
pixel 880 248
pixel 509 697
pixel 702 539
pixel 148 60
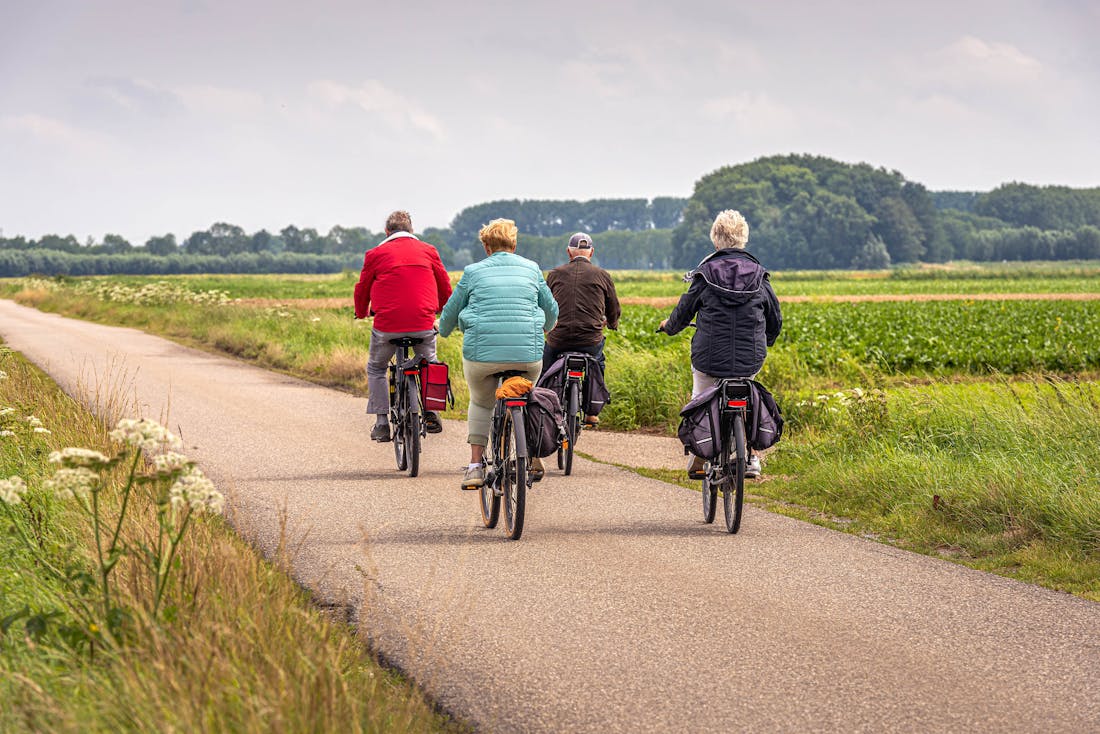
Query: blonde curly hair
pixel 499 235
pixel 729 230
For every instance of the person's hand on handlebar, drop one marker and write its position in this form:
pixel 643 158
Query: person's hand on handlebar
pixel 661 326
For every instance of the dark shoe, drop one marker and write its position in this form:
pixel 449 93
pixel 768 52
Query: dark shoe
pixel 536 469
pixel 432 424
pixel 474 477
pixel 697 468
pixel 381 433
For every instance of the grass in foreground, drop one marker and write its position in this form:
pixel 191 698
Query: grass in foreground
pixel 246 651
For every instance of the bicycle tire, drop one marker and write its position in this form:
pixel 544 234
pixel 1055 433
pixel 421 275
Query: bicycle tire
pixel 489 499
pixel 733 496
pixel 513 475
pixel 412 428
pixel 397 426
pixel 572 406
pixel 710 500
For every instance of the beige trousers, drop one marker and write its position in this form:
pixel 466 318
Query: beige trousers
pixel 483 388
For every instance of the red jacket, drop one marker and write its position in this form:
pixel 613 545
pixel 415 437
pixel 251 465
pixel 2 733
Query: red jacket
pixel 403 283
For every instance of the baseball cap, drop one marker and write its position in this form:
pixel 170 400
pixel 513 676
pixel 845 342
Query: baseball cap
pixel 580 241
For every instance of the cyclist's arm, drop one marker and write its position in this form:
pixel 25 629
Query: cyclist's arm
pixel 362 288
pixel 442 281
pixel 612 310
pixel 773 317
pixel 448 317
pixel 686 309
pixel 547 303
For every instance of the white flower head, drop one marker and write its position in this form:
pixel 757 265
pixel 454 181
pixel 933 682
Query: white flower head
pixel 12 490
pixel 145 434
pixel 4 412
pixel 40 429
pixel 6 432
pixel 74 457
pixel 170 462
pixel 68 483
pixel 3 375
pixel 197 491
pixel 33 421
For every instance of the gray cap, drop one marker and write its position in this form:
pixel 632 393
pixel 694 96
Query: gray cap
pixel 580 241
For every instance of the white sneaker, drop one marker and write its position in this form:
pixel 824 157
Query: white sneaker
pixel 752 469
pixel 474 476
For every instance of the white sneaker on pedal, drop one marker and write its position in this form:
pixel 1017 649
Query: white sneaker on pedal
pixel 474 476
pixel 752 469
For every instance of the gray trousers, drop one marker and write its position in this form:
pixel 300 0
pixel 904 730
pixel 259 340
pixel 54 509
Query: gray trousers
pixel 381 351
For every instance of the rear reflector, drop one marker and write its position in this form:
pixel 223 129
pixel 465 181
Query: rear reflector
pixel 576 374
pixel 515 403
pixel 736 403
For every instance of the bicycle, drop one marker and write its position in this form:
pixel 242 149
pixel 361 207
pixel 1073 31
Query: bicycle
pixel 576 366
pixel 506 463
pixel 727 470
pixel 406 417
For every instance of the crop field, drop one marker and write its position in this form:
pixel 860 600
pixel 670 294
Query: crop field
pixel 887 403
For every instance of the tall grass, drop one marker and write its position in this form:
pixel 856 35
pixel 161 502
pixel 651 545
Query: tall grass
pixel 1004 474
pixel 243 650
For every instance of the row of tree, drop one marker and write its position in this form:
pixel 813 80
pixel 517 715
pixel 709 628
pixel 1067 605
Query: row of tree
pixel 19 263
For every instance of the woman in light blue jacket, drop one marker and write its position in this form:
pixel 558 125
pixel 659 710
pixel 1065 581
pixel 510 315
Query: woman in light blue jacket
pixel 502 305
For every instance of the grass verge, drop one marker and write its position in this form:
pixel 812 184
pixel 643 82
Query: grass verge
pixel 247 651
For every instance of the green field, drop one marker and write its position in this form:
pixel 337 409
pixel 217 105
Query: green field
pixel 969 396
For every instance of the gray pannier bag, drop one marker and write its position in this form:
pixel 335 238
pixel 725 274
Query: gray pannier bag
pixel 766 423
pixel 543 421
pixel 700 425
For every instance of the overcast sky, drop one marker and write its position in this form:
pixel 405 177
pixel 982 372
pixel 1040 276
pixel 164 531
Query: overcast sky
pixel 149 117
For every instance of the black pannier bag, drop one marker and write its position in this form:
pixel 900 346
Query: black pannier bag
pixel 766 421
pixel 700 425
pixel 543 422
pixel 594 393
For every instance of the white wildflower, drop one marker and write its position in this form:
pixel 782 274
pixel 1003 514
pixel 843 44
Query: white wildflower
pixel 69 483
pixel 12 490
pixel 316 318
pixel 170 462
pixel 145 434
pixel 3 375
pixel 4 412
pixel 6 432
pixel 40 429
pixel 74 457
pixel 196 490
pixel 33 421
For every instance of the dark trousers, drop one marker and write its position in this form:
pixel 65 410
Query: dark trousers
pixel 549 353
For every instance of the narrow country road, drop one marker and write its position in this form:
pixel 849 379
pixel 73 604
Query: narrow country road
pixel 618 611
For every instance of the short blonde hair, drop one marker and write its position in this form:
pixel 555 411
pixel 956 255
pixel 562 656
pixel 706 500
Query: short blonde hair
pixel 499 234
pixel 729 230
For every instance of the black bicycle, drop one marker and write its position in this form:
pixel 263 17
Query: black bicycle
pixel 406 416
pixel 727 470
pixel 506 463
pixel 576 366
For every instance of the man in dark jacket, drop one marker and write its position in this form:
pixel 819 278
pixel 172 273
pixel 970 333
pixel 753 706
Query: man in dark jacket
pixel 736 313
pixel 587 302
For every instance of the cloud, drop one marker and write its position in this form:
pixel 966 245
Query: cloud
pixel 970 60
pixel 751 113
pixel 396 110
pixel 208 99
pixel 136 96
pixel 54 134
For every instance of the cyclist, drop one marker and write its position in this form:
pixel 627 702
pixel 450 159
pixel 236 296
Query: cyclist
pixel 503 307
pixel 403 285
pixel 587 302
pixel 736 312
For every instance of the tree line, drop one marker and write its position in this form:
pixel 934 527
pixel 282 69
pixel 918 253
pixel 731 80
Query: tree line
pixel 815 212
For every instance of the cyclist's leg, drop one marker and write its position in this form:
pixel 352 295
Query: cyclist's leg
pixel 549 354
pixel 426 350
pixel 378 395
pixel 700 381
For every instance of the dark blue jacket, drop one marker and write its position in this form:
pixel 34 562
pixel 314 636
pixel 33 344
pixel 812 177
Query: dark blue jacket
pixel 736 314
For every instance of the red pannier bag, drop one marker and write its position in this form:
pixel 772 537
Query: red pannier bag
pixel 435 386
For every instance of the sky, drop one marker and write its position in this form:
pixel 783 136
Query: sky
pixel 143 118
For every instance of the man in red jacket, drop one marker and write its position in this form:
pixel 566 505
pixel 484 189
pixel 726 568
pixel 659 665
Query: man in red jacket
pixel 404 286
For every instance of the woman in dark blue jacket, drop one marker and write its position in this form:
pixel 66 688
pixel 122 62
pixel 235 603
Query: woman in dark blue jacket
pixel 736 313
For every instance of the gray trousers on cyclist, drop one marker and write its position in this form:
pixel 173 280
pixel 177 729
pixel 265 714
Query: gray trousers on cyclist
pixel 700 381
pixel 381 352
pixel 483 393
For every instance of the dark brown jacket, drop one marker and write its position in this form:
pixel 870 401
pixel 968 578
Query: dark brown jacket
pixel 586 298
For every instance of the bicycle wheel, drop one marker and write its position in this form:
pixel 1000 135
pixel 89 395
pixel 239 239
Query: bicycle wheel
pixel 571 407
pixel 412 428
pixel 733 495
pixel 513 475
pixel 397 426
pixel 710 500
pixel 490 500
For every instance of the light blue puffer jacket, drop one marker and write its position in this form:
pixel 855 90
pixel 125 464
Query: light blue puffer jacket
pixel 502 305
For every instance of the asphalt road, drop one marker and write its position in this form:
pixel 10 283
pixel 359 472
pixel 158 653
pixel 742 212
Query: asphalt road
pixel 618 611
